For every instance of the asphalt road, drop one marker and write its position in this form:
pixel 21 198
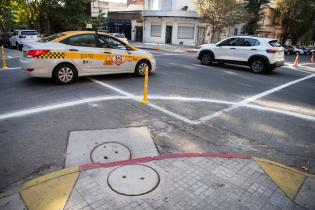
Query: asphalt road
pixel 195 109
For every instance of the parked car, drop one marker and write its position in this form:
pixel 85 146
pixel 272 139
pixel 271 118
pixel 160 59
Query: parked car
pixel 260 54
pixel 297 50
pixel 20 37
pixel 120 36
pixel 288 50
pixel 307 50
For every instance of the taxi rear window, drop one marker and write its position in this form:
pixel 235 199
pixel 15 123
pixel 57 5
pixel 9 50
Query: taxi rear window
pixel 52 37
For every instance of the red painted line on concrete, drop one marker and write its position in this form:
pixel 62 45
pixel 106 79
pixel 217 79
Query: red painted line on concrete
pixel 162 157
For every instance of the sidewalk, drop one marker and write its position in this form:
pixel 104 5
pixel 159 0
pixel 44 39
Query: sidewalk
pixel 176 181
pixel 165 47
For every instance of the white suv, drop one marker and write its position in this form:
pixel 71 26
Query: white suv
pixel 19 37
pixel 260 54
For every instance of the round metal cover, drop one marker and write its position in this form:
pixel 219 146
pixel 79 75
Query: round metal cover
pixel 110 152
pixel 133 180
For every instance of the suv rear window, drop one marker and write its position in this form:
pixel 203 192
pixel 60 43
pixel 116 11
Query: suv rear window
pixel 28 33
pixel 275 43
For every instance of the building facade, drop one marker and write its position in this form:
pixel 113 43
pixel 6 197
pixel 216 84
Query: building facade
pixel 270 24
pixel 172 22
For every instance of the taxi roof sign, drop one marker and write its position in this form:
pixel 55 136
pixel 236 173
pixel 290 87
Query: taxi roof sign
pixel 89 26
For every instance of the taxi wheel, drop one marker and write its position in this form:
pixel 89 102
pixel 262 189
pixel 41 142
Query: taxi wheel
pixel 65 74
pixel 140 68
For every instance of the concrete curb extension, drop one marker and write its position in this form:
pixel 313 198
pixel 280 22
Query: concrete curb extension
pixel 53 190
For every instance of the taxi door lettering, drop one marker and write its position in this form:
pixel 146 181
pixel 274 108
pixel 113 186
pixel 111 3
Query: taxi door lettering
pixel 87 56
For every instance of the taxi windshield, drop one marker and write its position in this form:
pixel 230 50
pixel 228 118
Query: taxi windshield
pixel 51 37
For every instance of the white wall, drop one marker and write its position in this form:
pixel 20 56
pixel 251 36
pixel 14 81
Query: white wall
pixel 176 4
pixel 175 22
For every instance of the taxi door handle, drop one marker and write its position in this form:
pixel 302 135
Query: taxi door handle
pixel 232 48
pixel 73 50
pixel 107 52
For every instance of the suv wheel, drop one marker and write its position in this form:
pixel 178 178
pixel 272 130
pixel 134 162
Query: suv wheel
pixel 65 74
pixel 19 46
pixel 258 65
pixel 206 59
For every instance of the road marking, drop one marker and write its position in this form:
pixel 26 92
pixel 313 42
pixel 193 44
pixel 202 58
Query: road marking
pixel 281 111
pixel 253 98
pixel 161 109
pixel 10 68
pixel 154 97
pixel 59 106
pixel 309 70
pixel 12 57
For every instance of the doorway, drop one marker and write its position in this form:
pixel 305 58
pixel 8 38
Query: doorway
pixel 139 33
pixel 168 34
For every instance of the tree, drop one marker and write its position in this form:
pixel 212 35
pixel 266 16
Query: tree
pixel 253 7
pixel 220 14
pixel 297 18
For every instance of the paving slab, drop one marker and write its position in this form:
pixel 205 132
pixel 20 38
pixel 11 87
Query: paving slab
pixel 109 145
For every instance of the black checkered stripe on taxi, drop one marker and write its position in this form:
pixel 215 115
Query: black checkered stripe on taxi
pixel 52 55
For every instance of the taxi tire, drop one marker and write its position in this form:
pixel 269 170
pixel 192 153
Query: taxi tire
pixel 59 67
pixel 137 70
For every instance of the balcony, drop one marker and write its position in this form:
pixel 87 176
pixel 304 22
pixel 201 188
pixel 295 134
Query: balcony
pixel 170 13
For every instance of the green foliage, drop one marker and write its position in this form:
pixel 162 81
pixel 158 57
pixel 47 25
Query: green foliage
pixel 297 17
pixel 47 16
pixel 220 14
pixel 253 7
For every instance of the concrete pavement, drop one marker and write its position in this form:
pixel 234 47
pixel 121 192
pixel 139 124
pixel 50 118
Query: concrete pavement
pixel 176 181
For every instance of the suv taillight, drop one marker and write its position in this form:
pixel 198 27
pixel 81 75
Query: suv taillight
pixel 272 51
pixel 36 53
pixel 22 36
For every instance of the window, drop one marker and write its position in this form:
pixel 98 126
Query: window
pixel 84 40
pixel 250 42
pixel 108 42
pixel 28 33
pixel 52 37
pixel 185 32
pixel 275 43
pixel 166 4
pixel 229 42
pixel 156 30
pixel 235 31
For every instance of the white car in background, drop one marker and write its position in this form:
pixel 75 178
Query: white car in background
pixel 120 36
pixel 69 55
pixel 20 37
pixel 260 54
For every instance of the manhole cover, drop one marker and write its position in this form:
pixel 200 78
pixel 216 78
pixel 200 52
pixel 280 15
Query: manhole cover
pixel 110 152
pixel 133 180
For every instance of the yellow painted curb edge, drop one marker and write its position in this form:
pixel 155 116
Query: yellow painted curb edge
pixel 40 179
pixel 50 176
pixel 282 166
pixel 51 194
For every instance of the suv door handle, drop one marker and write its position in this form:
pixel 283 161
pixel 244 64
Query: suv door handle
pixel 232 48
pixel 253 49
pixel 73 50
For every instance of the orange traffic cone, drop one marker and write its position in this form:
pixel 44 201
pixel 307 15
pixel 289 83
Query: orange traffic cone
pixel 312 58
pixel 296 62
pixel 158 48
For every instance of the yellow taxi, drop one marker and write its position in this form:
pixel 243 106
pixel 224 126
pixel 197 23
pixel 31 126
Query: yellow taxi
pixel 69 55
